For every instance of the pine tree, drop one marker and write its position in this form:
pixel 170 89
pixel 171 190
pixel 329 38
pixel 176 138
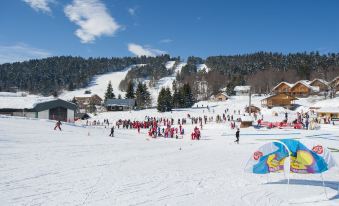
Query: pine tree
pixel 147 96
pixel 168 100
pixel 130 91
pixel 161 101
pixel 187 96
pixel 109 92
pixel 119 96
pixel 139 96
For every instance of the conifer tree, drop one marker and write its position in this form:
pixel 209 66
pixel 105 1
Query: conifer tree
pixel 130 91
pixel 139 96
pixel 109 92
pixel 147 96
pixel 161 101
pixel 187 96
pixel 168 100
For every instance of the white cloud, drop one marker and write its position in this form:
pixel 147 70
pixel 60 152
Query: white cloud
pixel 93 19
pixel 166 41
pixel 20 52
pixel 40 5
pixel 139 50
pixel 132 11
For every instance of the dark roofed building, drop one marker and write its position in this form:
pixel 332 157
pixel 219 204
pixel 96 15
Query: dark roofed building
pixel 37 107
pixel 120 104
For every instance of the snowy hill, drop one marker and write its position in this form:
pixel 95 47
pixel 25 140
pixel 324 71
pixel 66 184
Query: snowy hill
pixel 99 84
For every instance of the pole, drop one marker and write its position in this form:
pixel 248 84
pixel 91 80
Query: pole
pixel 322 178
pixel 249 103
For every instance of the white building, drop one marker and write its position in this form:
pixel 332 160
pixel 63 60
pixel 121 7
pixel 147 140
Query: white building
pixel 242 90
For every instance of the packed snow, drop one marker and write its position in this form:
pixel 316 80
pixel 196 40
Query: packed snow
pixel 82 165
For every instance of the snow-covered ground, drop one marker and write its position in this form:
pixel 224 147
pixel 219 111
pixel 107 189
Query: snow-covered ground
pixel 84 166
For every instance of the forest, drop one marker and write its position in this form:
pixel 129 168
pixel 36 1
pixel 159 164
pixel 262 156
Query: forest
pixel 261 70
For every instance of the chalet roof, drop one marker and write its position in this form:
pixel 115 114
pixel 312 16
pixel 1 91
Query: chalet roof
pixel 242 88
pixel 320 80
pixel 223 93
pixel 288 84
pixel 334 80
pixel 306 83
pixel 246 119
pixel 120 102
pixel 85 96
pixel 286 95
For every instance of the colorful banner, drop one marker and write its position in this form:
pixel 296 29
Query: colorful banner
pixel 305 158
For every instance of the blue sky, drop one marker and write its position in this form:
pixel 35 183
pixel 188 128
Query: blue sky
pixel 41 28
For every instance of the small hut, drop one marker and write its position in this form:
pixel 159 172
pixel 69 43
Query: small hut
pixel 253 108
pixel 221 97
pixel 246 121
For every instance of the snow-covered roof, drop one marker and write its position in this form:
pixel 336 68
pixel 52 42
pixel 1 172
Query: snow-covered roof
pixel 306 83
pixel 120 102
pixel 12 94
pixel 288 84
pixel 242 88
pixel 84 95
pixel 22 102
pixel 320 80
pixel 334 79
pixel 246 118
pixel 329 110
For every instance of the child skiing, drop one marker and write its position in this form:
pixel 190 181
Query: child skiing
pixel 237 135
pixel 58 125
pixel 112 132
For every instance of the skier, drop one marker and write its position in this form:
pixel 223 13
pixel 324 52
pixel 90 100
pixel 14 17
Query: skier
pixel 57 125
pixel 112 132
pixel 237 134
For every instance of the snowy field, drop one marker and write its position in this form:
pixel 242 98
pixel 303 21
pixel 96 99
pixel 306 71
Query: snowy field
pixel 84 166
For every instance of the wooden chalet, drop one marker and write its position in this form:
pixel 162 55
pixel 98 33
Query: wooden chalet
pixel 282 87
pixel 221 97
pixel 84 101
pixel 322 84
pixel 279 100
pixel 334 84
pixel 303 88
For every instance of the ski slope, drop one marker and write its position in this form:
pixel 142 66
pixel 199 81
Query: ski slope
pixel 99 84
